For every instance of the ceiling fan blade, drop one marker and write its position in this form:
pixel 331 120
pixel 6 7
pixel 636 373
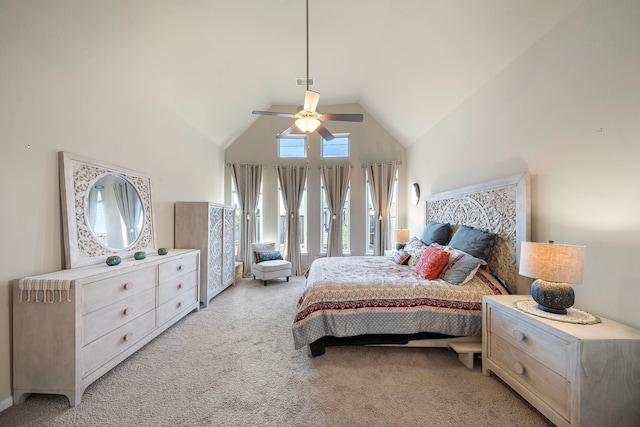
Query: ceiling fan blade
pixel 324 132
pixel 338 117
pixel 311 100
pixel 273 113
pixel 287 131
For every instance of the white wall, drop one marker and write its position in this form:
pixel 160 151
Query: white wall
pixel 369 143
pixel 568 111
pixel 52 100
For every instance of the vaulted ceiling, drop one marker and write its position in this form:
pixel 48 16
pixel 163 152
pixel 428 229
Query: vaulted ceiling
pixel 408 63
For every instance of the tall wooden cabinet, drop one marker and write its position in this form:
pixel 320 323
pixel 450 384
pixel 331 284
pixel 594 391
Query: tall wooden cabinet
pixel 210 228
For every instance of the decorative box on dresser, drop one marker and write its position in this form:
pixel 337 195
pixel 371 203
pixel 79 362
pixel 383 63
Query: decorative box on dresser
pixel 574 374
pixel 209 227
pixel 72 326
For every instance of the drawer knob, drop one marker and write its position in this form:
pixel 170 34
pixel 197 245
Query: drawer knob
pixel 128 336
pixel 518 368
pixel 179 285
pixel 180 267
pixel 128 286
pixel 127 311
pixel 518 335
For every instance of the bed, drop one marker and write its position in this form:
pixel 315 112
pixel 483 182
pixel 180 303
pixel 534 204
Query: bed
pixel 376 300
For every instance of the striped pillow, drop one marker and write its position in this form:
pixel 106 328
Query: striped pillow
pixel 401 257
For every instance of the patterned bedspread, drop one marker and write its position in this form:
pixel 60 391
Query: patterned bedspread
pixel 351 296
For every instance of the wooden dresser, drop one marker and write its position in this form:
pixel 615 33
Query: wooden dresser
pixel 72 326
pixel 576 375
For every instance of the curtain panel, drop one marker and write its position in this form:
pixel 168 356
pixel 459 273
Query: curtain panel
pixel 381 178
pixel 247 179
pixel 292 182
pixel 336 184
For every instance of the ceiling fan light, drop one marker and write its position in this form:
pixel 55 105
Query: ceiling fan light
pixel 307 124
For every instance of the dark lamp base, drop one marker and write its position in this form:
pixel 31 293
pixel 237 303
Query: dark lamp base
pixel 552 310
pixel 400 246
pixel 552 297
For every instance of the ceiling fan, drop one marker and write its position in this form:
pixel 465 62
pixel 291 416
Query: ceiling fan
pixel 307 118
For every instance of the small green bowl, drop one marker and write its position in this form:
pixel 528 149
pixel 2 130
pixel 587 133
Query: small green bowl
pixel 163 251
pixel 113 260
pixel 140 255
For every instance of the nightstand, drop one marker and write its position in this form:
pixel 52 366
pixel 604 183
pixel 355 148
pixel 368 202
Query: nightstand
pixel 573 374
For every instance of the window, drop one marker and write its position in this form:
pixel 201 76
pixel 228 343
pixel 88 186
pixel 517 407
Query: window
pixel 292 146
pixel 326 218
pixel 371 214
pixel 282 230
pixel 337 147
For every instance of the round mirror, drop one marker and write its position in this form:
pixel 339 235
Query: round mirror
pixel 113 212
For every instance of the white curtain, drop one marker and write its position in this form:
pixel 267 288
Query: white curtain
pixel 336 184
pixel 130 209
pixel 247 179
pixel 292 182
pixel 381 179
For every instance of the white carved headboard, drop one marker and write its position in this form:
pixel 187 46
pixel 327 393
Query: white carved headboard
pixel 502 207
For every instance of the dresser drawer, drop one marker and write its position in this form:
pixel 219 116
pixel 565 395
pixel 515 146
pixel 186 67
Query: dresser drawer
pixel 105 348
pixel 107 291
pixel 548 349
pixel 178 267
pixel 552 388
pixel 104 320
pixel 176 286
pixel 186 301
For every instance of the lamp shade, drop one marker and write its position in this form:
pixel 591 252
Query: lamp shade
pixel 552 262
pixel 401 235
pixel 307 124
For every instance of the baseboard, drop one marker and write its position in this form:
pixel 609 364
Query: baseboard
pixel 7 403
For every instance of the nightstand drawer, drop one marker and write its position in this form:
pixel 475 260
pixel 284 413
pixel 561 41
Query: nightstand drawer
pixel 548 349
pixel 552 388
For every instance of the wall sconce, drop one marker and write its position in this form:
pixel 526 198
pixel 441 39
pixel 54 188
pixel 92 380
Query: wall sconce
pixel 554 267
pixel 415 193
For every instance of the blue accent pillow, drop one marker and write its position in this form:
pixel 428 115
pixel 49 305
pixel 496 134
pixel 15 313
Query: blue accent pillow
pixel 474 242
pixel 436 232
pixel 268 256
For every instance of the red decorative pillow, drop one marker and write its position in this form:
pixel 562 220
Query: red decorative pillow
pixel 431 263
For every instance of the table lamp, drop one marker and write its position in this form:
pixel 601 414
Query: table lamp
pixel 401 237
pixel 554 267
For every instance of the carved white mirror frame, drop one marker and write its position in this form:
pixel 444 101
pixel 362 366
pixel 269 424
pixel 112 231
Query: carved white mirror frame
pixel 77 176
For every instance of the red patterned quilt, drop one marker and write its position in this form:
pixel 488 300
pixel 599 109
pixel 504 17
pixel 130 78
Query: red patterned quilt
pixel 351 296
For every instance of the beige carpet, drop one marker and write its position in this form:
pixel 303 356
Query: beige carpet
pixel 233 364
